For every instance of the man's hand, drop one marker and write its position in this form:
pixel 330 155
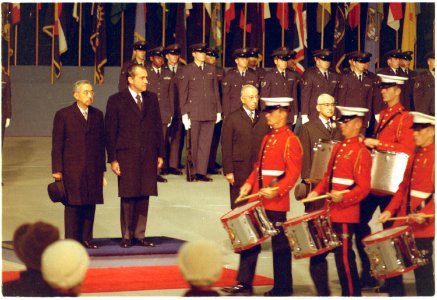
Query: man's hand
pixel 371 143
pixel 312 194
pixel 335 196
pixel 244 190
pixel 384 216
pixel 7 122
pixel 115 167
pixel 186 121
pixel 57 176
pixel 230 178
pixel 160 163
pixel 218 118
pixel 418 218
pixel 307 180
pixel 268 193
pixel 305 119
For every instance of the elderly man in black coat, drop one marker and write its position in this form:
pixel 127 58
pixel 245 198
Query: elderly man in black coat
pixel 135 147
pixel 78 158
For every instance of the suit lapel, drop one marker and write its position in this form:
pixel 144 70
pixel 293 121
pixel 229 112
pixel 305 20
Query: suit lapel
pixel 79 116
pixel 322 127
pixel 131 103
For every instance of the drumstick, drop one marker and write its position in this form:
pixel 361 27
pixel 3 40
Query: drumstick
pixel 410 216
pixel 253 195
pixel 321 197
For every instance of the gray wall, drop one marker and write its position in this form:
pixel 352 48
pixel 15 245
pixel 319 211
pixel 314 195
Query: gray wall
pixel 35 100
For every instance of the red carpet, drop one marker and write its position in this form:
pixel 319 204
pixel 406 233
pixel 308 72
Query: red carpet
pixel 142 278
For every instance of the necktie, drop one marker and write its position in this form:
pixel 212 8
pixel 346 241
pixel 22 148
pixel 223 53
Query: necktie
pixel 242 74
pixel 157 72
pixel 252 116
pixel 139 103
pixel 396 72
pixel 328 126
pixel 360 77
pixel 201 67
pixel 326 75
pixel 85 115
pixel 173 69
pixel 283 74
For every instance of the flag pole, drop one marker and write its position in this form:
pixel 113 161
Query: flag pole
pixel 80 36
pixel 264 45
pixel 378 24
pixel 244 25
pixel 53 42
pixel 323 27
pixel 9 49
pixel 359 29
pixel 15 44
pixel 283 23
pixel 397 39
pixel 36 35
pixel 122 38
pixel 224 47
pixel 163 24
pixel 203 23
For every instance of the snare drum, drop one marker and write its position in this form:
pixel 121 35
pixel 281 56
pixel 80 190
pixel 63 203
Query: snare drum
pixel 392 252
pixel 387 171
pixel 311 234
pixel 321 154
pixel 248 226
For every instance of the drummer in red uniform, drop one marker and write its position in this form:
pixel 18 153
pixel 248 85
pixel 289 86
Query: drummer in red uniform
pixel 415 198
pixel 279 165
pixel 348 169
pixel 393 133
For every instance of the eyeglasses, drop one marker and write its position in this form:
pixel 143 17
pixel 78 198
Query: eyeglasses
pixel 87 93
pixel 251 97
pixel 327 104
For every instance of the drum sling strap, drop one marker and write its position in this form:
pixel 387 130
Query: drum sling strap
pixel 331 173
pixel 381 128
pixel 421 205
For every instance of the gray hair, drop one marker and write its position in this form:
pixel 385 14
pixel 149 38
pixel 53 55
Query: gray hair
pixel 78 83
pixel 325 97
pixel 246 87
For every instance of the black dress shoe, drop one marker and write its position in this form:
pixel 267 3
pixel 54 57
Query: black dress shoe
pixel 239 290
pixel 159 178
pixel 125 243
pixel 144 243
pixel 205 178
pixel 174 171
pixel 214 171
pixel 164 171
pixel 278 293
pixel 89 245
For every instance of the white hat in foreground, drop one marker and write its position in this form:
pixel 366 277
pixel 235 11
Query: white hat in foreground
pixel 200 262
pixel 64 264
pixel 421 118
pixel 276 102
pixel 391 79
pixel 352 111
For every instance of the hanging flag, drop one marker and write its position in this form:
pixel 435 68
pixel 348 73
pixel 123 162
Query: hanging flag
pixel 61 29
pixel 282 14
pixel 339 37
pixel 394 15
pixel 207 8
pixel 215 36
pixel 265 14
pixel 373 24
pixel 409 29
pixel 255 19
pixel 323 9
pixel 116 11
pixel 248 23
pixel 181 29
pixel 74 13
pixel 300 20
pixel 188 8
pixel 353 14
pixel 16 11
pixel 98 42
pixel 140 23
pixel 229 15
pixel 53 28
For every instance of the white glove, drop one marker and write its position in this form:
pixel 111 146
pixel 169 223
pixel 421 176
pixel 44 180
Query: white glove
pixel 186 121
pixel 305 119
pixel 295 119
pixel 219 118
pixel 169 124
pixel 377 118
pixel 7 123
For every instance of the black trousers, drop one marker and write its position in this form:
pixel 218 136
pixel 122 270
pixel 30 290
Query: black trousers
pixel 79 221
pixel 214 145
pixel 201 138
pixel 367 207
pixel 281 258
pixel 344 260
pixel 177 137
pixel 133 217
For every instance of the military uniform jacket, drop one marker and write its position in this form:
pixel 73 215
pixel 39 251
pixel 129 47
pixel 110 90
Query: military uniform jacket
pixel 135 140
pixel 424 93
pixel 231 88
pixel 164 89
pixel 350 164
pixel 175 82
pixel 355 93
pixel 313 85
pixel 6 97
pixel 198 93
pixel 310 133
pixel 275 85
pixel 281 152
pixel 241 140
pixel 397 135
pixel 122 81
pixel 419 181
pixel 78 152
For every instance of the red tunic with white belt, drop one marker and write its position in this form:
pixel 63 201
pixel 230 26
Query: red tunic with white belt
pixel 350 163
pixel 281 152
pixel 397 135
pixel 419 182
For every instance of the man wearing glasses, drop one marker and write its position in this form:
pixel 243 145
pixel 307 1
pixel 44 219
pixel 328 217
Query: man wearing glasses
pixel 78 158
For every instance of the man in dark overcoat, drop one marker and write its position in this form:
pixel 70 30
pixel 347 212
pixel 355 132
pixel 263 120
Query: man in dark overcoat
pixel 78 158
pixel 139 52
pixel 243 131
pixel 135 148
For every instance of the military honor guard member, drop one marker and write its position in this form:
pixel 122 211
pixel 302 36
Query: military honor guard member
pixel 315 81
pixel 176 131
pixel 281 82
pixel 392 133
pixel 78 159
pixel 405 64
pixel 279 165
pixel 234 79
pixel 160 83
pixel 134 145
pixel 348 169
pixel 356 88
pixel 255 58
pixel 424 87
pixel 415 199
pixel 200 109
pixel 138 57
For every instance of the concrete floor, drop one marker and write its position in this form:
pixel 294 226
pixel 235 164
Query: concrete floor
pixel 182 210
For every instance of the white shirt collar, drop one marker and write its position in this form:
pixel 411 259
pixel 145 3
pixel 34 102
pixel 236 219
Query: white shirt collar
pixel 248 111
pixel 156 69
pixel 324 120
pixel 134 94
pixel 82 110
